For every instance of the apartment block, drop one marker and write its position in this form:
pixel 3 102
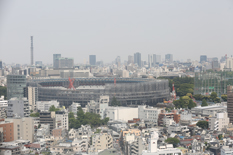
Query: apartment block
pixel 219 121
pixel 7 128
pixel 148 113
pixel 62 120
pixel 18 107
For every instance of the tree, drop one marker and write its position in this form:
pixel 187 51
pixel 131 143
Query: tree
pixel 198 97
pixel 217 100
pixel 37 114
pixel 224 97
pixel 191 104
pixel 220 136
pixel 203 124
pixel 115 102
pixel 204 103
pixel 53 108
pixel 213 95
pixel 173 141
pixel 186 99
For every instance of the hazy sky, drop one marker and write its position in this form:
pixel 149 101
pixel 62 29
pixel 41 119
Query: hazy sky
pixel 108 28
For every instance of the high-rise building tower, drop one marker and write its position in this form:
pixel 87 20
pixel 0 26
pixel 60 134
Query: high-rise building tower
pixel 230 102
pixel 150 60
pixel 0 64
pixel 130 59
pixel 92 60
pixel 15 86
pixel 203 58
pixel 156 59
pixel 32 61
pixel 169 58
pixel 137 59
pixel 55 56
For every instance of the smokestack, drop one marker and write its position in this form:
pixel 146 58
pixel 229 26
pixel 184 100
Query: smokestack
pixel 32 62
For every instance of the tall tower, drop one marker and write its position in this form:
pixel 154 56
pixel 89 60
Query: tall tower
pixel 32 62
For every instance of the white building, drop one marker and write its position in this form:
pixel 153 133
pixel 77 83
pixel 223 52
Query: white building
pixel 18 107
pixel 3 107
pixel 45 105
pixel 62 120
pixel 226 150
pixel 229 63
pixel 74 108
pixel 219 121
pixel 168 121
pixel 153 149
pixel 148 113
pixel 121 113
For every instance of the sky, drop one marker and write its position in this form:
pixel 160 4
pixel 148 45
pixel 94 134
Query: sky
pixel 77 29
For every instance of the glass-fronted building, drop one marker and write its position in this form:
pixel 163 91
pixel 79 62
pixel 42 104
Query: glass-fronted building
pixel 207 82
pixel 15 86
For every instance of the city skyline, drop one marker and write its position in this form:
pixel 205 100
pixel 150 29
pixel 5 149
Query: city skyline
pixel 186 29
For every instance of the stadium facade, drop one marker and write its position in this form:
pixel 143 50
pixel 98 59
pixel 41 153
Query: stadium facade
pixel 126 90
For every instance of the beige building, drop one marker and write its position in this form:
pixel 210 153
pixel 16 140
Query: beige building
pixel 136 132
pixel 101 141
pixel 23 128
pixel 32 97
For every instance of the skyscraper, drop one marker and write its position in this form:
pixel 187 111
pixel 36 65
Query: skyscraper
pixel 203 58
pixel 32 61
pixel 156 59
pixel 150 60
pixel 168 58
pixel 137 59
pixel 55 56
pixel 130 59
pixel 0 64
pixel 15 86
pixel 92 60
pixel 118 61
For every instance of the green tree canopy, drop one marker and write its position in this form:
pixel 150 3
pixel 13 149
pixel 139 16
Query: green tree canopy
pixel 213 96
pixel 191 104
pixel 203 124
pixel 204 103
pixel 53 108
pixel 173 141
pixel 115 102
pixel 224 97
pixel 3 91
pixel 37 114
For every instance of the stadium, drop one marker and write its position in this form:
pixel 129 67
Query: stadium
pixel 128 91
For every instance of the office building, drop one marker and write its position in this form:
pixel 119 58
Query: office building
pixel 137 59
pixel 62 120
pixel 229 63
pixel 48 118
pixel 148 113
pixel 150 60
pixel 118 61
pixel 203 58
pixel 156 59
pixel 45 105
pixel 0 64
pixel 18 107
pixel 74 73
pixel 55 56
pixel 121 113
pixel 230 102
pixel 23 128
pixel 15 86
pixel 219 121
pixel 215 65
pixel 92 60
pixel 38 63
pixel 63 63
pixel 130 59
pixel 168 58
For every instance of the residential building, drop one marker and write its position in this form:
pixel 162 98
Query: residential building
pixel 219 121
pixel 7 133
pixel 32 97
pixel 203 58
pixel 168 58
pixel 230 102
pixel 177 118
pixel 3 107
pixel 137 59
pixel 165 114
pixel 48 118
pixel 18 107
pixel 59 133
pixel 43 131
pixel 62 120
pixel 64 63
pixel 15 86
pixel 45 105
pixel 92 60
pixel 101 141
pixel 55 56
pixel 226 150
pixel 23 128
pixel 74 107
pixel 148 113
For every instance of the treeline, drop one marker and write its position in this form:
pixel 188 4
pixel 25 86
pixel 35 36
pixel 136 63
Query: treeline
pixel 3 91
pixel 210 98
pixel 183 85
pixel 185 102
pixel 85 118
